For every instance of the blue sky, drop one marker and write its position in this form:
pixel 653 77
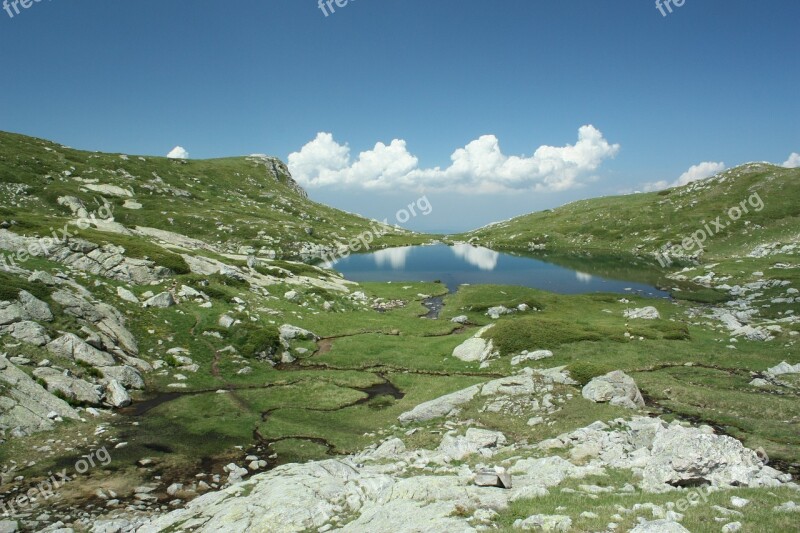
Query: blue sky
pixel 715 82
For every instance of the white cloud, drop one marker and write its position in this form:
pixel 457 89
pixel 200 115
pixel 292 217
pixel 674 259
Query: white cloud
pixel 793 161
pixel 483 258
pixel 478 167
pixel 179 152
pixel 697 172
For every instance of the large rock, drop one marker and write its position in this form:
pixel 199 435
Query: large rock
pixel 659 526
pixel 616 388
pixel 115 395
pixel 481 441
pixel 161 301
pixel 645 313
pixel 28 332
pixel 70 346
pixel 665 456
pixel 442 406
pixel 476 348
pixel 25 406
pixel 784 368
pixel 128 376
pixel 74 389
pixel 33 308
pixel 536 355
pixel 543 522
pixel 289 332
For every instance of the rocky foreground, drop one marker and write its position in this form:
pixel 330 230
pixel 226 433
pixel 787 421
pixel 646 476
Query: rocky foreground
pixel 474 473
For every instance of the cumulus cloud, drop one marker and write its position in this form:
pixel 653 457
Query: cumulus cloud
pixel 179 152
pixel 478 167
pixel 793 161
pixel 697 172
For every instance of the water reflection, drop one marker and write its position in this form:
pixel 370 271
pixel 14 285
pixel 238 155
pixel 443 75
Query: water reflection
pixel 583 277
pixel 392 257
pixel 483 258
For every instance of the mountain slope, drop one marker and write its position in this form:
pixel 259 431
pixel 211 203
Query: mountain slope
pixel 647 223
pixel 240 205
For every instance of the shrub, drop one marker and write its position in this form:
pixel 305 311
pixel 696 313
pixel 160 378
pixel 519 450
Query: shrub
pixel 584 371
pixel 531 333
pixel 384 401
pixel 256 341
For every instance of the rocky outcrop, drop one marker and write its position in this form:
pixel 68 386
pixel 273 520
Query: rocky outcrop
pixel 72 347
pixel 476 348
pixel 616 388
pixel 25 406
pixel 107 261
pixel 104 320
pixel 19 319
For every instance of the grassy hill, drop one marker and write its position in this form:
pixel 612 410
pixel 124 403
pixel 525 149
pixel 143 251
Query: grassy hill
pixel 236 205
pixel 643 224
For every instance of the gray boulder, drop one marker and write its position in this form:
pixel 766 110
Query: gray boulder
pixel 659 526
pixel 289 333
pixel 127 376
pixel 476 348
pixel 115 395
pixel 33 308
pixel 74 389
pixel 616 388
pixel 27 331
pixel 645 313
pixel 439 407
pixel 70 346
pixel 161 301
pixel 543 522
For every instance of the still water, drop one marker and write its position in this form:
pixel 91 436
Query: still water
pixel 467 264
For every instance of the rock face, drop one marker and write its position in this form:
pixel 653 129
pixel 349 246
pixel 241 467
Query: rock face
pixel 616 388
pixel 475 348
pixel 26 406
